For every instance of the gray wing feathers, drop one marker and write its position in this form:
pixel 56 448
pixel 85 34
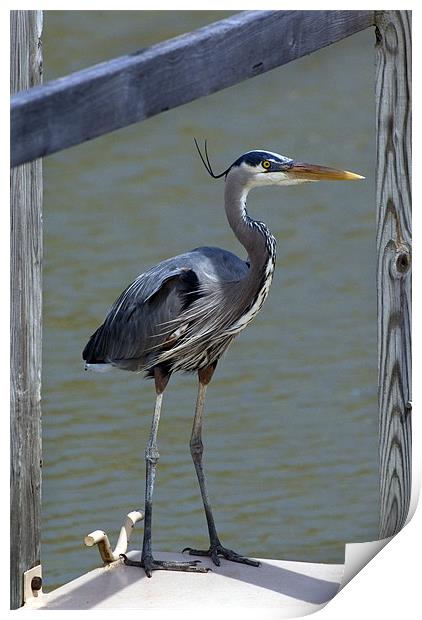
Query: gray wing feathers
pixel 146 314
pixel 134 324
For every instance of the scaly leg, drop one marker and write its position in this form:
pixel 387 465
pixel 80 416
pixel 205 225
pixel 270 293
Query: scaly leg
pixel 148 563
pixel 216 549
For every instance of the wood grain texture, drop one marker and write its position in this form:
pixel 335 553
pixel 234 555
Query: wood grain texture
pixel 26 254
pixel 124 90
pixel 393 194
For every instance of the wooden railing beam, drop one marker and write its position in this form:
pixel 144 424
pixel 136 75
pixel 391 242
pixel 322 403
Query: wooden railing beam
pixel 125 90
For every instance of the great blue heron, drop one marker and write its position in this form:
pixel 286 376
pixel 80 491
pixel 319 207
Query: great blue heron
pixel 183 313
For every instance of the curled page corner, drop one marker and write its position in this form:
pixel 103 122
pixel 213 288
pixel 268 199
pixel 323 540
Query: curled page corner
pixel 358 555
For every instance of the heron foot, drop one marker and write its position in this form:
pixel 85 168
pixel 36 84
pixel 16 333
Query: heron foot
pixel 148 563
pixel 217 550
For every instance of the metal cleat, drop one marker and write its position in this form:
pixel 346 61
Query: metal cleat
pixel 100 538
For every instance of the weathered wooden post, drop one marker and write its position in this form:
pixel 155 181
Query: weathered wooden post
pixel 26 254
pixel 393 195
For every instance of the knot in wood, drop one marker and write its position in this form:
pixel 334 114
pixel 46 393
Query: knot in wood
pixel 401 261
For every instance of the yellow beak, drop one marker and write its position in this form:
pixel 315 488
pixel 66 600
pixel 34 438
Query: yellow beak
pixel 312 172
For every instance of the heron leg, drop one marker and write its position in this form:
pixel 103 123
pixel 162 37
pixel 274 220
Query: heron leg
pixel 216 549
pixel 148 563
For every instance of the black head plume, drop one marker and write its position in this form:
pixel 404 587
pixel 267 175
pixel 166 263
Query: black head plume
pixel 206 161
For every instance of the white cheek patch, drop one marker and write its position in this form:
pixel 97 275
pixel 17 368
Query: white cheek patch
pixel 290 181
pixel 261 179
pixel 277 177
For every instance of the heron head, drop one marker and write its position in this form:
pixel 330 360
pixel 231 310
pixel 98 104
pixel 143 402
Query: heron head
pixel 259 168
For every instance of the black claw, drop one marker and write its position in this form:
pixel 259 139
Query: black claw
pixel 129 562
pixel 216 551
pixel 196 551
pixel 254 563
pixel 149 564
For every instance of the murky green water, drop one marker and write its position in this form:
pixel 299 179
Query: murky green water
pixel 291 423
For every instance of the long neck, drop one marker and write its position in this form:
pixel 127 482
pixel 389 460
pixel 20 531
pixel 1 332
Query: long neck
pixel 254 236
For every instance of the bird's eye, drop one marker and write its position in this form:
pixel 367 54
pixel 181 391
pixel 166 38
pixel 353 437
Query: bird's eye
pixel 266 164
